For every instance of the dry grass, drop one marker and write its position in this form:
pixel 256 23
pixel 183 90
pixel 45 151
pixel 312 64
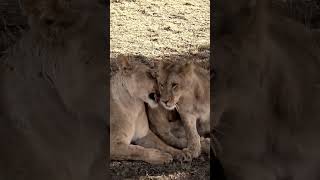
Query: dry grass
pixel 154 28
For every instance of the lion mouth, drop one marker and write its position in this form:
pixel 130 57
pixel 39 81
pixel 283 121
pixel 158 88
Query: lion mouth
pixel 155 97
pixel 168 107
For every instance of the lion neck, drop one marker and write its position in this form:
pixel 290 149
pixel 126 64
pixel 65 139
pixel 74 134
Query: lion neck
pixel 123 93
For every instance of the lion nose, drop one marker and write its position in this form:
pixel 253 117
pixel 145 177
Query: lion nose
pixel 166 101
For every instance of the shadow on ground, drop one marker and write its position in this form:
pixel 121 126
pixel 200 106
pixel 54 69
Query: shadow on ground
pixel 198 169
pixel 199 56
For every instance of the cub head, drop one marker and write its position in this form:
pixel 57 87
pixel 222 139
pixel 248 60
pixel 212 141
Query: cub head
pixel 173 81
pixel 141 82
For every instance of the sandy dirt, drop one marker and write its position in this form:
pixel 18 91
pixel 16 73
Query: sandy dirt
pixel 198 169
pixel 155 28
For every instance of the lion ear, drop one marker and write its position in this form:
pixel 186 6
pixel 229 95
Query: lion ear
pixel 163 65
pixel 153 73
pixel 187 68
pixel 123 62
pixel 154 64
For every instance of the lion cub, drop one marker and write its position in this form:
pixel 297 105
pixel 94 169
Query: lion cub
pixel 131 88
pixel 186 87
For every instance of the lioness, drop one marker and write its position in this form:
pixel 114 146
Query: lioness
pixel 186 87
pixel 131 87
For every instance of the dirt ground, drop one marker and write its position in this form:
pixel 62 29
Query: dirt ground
pixel 158 30
pixel 198 169
pixel 155 28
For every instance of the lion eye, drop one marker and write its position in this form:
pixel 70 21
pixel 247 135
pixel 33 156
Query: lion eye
pixel 161 85
pixel 174 85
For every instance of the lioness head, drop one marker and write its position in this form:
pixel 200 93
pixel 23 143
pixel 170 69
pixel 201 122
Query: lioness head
pixel 173 81
pixel 142 83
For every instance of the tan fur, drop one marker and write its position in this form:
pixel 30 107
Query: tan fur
pixel 186 87
pixel 130 89
pixel 170 132
pixel 168 126
pixel 53 96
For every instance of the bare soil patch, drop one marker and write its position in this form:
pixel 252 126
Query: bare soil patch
pixel 157 28
pixel 198 169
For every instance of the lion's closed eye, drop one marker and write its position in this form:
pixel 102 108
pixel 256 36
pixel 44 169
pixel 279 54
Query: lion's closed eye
pixel 174 85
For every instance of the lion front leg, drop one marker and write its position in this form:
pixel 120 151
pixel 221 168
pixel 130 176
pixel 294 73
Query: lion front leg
pixel 193 149
pixel 123 151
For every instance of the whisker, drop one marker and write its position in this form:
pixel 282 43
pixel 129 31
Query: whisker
pixel 218 131
pixel 216 145
pixel 177 107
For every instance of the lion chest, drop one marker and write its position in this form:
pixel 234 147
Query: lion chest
pixel 141 126
pixel 198 109
pixel 204 113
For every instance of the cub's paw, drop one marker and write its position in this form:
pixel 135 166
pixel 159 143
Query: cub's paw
pixel 158 157
pixel 191 153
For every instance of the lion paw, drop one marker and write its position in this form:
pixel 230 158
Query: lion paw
pixel 179 155
pixel 158 157
pixel 191 153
